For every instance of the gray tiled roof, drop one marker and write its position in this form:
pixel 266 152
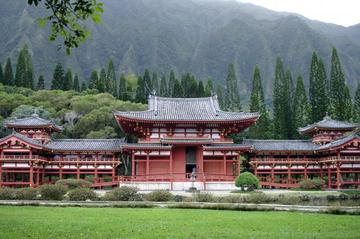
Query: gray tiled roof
pixel 227 146
pixel 328 123
pixel 281 145
pixel 338 142
pixel 145 146
pixel 32 121
pixel 188 140
pixel 23 138
pixel 186 109
pixel 85 144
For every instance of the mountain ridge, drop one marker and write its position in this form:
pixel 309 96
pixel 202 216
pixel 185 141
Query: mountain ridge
pixel 196 36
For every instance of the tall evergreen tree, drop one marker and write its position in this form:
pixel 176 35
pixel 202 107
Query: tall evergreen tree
pixel 141 95
pixel 257 104
pixel 192 90
pixel 155 83
pixel 122 88
pixel 220 96
pixel 172 79
pixel 232 97
pixel 287 105
pixel 1 74
pixel 338 95
pixel 186 82
pixel 20 72
pixel 200 89
pixel 102 81
pixel 29 81
pixel 111 85
pixel 83 86
pixel 148 87
pixel 357 104
pixel 209 88
pixel 58 77
pixel 177 91
pixel 68 81
pixel 94 78
pixel 301 107
pixel 348 111
pixel 163 87
pixel 40 83
pixel 280 129
pixel 8 73
pixel 76 83
pixel 317 89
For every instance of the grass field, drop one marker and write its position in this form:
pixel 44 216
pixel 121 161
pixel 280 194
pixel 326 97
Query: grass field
pixel 55 222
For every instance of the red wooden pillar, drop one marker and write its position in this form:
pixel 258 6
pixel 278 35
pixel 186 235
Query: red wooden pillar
pixel 31 175
pixel 171 170
pixel 329 176
pixel 273 173
pixel 1 157
pixel 133 163
pixel 78 167
pixel 147 163
pixel 321 171
pixel 289 174
pixel 37 176
pixel 61 167
pixel 224 163
pixel 305 171
pixel 338 176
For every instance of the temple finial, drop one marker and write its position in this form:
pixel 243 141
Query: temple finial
pixel 35 114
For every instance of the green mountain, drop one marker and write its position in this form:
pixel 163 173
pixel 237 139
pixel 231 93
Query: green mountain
pixel 199 36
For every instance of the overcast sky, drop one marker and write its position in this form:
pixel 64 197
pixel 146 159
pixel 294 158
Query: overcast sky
pixel 341 12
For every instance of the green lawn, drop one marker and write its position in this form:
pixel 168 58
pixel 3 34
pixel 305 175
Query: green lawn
pixel 55 222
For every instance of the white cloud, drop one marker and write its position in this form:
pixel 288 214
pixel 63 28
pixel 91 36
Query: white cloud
pixel 341 12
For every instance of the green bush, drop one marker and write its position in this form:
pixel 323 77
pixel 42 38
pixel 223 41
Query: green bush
pixel 230 199
pixel 123 193
pixel 247 180
pixel 74 183
pixel 179 198
pixel 82 194
pixel 159 196
pixel 331 197
pixel 204 197
pixel 343 196
pixel 52 191
pixel 26 194
pixel 7 193
pixel 312 184
pixel 288 199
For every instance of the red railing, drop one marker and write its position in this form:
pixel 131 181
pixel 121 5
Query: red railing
pixel 22 157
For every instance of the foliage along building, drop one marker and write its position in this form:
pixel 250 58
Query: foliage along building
pixel 182 142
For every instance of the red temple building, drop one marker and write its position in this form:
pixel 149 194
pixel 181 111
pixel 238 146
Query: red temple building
pixel 182 142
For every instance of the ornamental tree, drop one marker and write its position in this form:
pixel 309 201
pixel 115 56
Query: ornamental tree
pixel 247 180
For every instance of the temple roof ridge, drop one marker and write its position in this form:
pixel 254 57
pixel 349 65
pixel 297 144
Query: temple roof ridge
pixel 32 121
pixel 185 109
pixel 328 123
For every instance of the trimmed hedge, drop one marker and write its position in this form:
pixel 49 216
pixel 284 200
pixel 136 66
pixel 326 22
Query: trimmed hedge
pixel 74 183
pixel 82 194
pixel 123 193
pixel 52 191
pixel 159 196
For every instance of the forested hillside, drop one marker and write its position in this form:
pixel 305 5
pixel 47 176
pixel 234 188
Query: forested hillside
pixel 197 36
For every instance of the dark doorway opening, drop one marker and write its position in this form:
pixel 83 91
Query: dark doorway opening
pixel 190 159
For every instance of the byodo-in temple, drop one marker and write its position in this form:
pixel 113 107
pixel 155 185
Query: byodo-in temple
pixel 182 143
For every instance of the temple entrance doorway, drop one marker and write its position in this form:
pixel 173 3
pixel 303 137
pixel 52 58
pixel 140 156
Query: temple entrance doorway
pixel 190 160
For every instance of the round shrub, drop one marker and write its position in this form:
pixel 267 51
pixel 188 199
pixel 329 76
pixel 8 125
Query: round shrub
pixel 123 193
pixel 74 183
pixel 26 194
pixel 82 194
pixel 343 196
pixel 247 180
pixel 312 184
pixel 331 197
pixel 159 196
pixel 179 198
pixel 52 191
pixel 7 193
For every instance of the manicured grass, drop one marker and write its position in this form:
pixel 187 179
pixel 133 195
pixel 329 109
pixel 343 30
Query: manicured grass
pixel 55 222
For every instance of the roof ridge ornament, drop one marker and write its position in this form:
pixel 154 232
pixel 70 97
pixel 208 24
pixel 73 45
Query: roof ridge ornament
pixel 35 114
